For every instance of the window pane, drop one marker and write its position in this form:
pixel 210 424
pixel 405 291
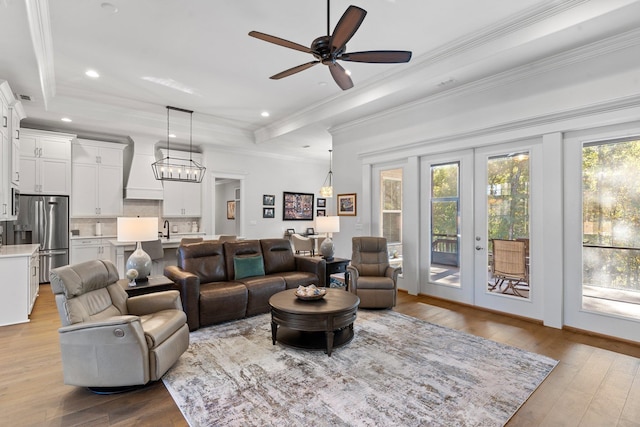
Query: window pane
pixel 508 219
pixel 445 206
pixel 391 213
pixel 611 227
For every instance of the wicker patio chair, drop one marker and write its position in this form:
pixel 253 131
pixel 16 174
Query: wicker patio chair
pixel 509 265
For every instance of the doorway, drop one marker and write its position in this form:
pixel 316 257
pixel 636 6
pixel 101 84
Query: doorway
pixel 473 203
pixel 227 193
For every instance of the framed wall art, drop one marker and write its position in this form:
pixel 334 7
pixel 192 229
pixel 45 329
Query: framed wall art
pixel 268 212
pixel 322 203
pixel 321 212
pixel 347 204
pixel 268 199
pixel 297 206
pixel 231 209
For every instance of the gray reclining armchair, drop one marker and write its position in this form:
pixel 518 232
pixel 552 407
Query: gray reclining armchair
pixel 371 277
pixel 111 342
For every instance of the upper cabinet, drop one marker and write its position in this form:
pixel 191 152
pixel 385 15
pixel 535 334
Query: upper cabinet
pixel 97 179
pixel 182 199
pixel 11 112
pixel 45 162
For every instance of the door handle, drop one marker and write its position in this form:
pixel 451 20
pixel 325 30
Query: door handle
pixel 479 248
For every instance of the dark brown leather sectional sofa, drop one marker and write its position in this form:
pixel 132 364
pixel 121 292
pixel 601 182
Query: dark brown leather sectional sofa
pixel 212 292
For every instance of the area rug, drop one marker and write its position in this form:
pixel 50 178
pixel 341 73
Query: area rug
pixel 397 370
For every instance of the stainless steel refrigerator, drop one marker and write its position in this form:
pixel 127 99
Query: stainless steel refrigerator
pixel 44 220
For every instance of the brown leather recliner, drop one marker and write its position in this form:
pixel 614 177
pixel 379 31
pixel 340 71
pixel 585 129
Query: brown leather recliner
pixel 109 340
pixel 371 277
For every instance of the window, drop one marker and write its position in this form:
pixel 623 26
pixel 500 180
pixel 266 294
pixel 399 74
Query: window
pixel 391 211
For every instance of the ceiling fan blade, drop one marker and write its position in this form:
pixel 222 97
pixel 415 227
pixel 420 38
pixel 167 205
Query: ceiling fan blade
pixel 340 76
pixel 280 42
pixel 377 56
pixel 293 70
pixel 347 27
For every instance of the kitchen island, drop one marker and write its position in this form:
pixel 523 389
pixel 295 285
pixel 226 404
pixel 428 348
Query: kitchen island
pixel 120 251
pixel 20 272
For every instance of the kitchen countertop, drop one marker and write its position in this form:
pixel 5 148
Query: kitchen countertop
pixel 105 236
pixel 173 242
pixel 12 251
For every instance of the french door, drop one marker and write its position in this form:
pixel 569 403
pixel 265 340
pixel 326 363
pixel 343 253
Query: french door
pixel 470 200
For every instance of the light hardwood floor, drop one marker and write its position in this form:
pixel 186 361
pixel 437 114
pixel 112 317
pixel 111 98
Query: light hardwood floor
pixel 597 382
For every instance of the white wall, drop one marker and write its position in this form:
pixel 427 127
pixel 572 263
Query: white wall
pixel 582 90
pixel 262 175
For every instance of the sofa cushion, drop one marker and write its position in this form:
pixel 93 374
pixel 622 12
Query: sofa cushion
pixel 259 290
pixel 239 248
pixel 205 260
pixel 293 279
pixel 221 302
pixel 248 266
pixel 278 256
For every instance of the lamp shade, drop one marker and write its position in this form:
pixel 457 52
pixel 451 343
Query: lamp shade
pixel 328 224
pixel 137 229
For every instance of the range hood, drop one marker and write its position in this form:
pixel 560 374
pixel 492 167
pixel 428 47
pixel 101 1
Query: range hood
pixel 141 183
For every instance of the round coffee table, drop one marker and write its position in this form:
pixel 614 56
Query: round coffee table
pixel 319 324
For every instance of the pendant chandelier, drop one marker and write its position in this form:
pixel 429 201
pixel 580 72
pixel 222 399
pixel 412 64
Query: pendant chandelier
pixel 177 169
pixel 327 190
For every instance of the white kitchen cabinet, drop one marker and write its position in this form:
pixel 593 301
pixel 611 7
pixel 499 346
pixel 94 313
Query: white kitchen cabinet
pixel 90 248
pixel 45 162
pixel 97 181
pixel 182 199
pixel 17 114
pixel 34 279
pixel 11 112
pixel 19 265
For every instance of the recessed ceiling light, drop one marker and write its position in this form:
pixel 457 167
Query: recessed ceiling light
pixel 306 146
pixel 92 73
pixel 347 72
pixel 322 83
pixel 109 8
pixel 66 119
pixel 265 114
pixel 172 135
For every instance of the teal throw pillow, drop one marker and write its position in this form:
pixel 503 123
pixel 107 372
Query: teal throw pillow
pixel 248 266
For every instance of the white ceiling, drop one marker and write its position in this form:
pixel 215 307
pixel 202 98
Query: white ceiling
pixel 197 55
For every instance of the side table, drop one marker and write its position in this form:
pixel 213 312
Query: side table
pixel 337 265
pixel 154 284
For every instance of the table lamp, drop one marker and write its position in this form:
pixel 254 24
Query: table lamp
pixel 328 225
pixel 138 230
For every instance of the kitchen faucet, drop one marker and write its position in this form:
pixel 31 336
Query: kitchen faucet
pixel 166 225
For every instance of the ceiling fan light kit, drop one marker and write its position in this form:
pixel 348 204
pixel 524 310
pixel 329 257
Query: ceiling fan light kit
pixel 332 47
pixel 175 168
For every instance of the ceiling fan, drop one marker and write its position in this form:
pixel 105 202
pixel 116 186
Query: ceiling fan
pixel 332 47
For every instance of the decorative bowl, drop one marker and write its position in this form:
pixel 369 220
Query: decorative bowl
pixel 310 293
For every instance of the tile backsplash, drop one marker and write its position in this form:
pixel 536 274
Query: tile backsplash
pixel 143 208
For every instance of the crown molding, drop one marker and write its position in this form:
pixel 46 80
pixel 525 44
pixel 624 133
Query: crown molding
pixel 545 121
pixel 40 29
pixel 559 61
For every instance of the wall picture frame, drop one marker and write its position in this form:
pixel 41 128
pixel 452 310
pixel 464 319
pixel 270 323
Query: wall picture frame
pixel 321 212
pixel 322 203
pixel 347 204
pixel 268 212
pixel 297 206
pixel 268 199
pixel 231 209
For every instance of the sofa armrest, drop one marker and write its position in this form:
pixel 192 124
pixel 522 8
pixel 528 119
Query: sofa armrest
pixel 354 274
pixel 393 273
pixel 87 346
pixel 317 266
pixel 152 303
pixel 189 287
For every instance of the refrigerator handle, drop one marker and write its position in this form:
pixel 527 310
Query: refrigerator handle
pixel 41 225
